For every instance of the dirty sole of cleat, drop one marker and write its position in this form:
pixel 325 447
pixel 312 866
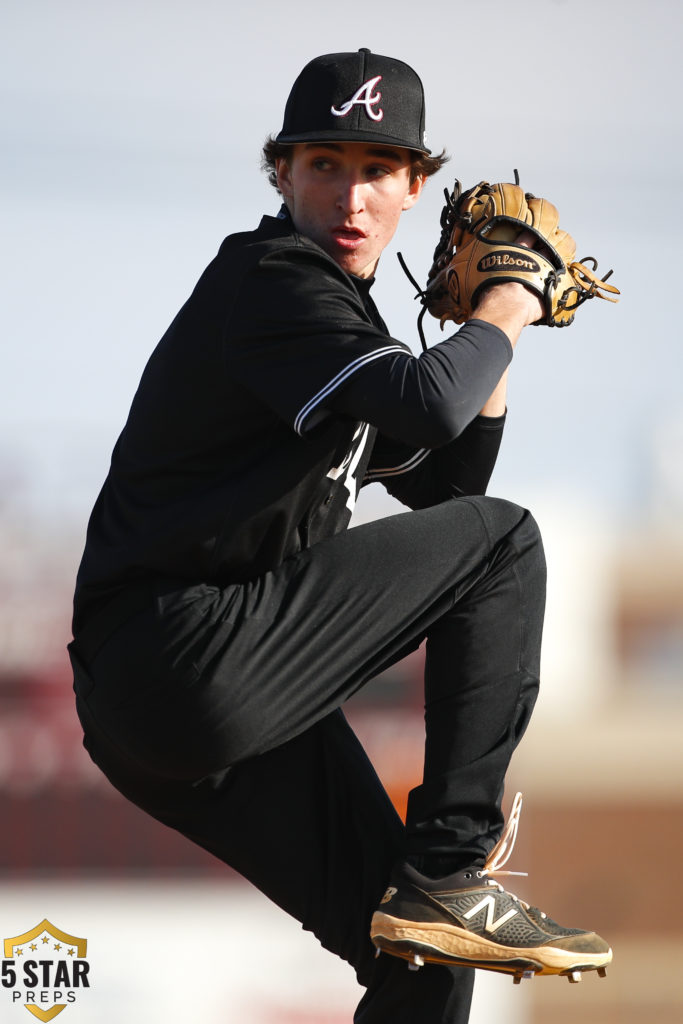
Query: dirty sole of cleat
pixel 414 952
pixel 437 943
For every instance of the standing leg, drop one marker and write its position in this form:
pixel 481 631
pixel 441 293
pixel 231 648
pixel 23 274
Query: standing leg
pixel 310 825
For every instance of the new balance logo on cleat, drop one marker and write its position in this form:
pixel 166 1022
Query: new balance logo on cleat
pixel 489 902
pixel 391 891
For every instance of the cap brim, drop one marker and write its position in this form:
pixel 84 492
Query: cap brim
pixel 329 135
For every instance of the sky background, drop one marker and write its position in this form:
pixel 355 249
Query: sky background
pixel 131 135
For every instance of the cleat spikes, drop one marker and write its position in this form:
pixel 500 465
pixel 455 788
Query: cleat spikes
pixel 602 972
pixel 574 977
pixel 377 952
pixel 416 963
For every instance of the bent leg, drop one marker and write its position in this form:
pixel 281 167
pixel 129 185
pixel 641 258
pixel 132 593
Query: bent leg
pixel 208 677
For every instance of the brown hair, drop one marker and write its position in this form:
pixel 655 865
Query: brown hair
pixel 421 166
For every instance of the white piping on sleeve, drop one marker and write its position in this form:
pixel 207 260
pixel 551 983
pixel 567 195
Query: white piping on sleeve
pixel 405 467
pixel 343 375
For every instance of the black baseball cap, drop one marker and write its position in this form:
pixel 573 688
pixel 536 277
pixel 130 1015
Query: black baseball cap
pixel 356 97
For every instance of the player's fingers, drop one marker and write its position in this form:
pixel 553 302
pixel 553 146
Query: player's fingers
pixel 530 240
pixel 527 239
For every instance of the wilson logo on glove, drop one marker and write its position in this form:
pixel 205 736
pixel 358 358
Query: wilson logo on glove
pixel 508 260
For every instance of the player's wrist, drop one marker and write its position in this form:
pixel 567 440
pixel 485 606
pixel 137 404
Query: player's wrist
pixel 509 303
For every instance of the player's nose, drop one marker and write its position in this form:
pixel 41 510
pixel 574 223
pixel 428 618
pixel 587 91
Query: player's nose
pixel 350 198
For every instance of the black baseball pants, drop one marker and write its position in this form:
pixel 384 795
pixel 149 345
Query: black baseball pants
pixel 217 710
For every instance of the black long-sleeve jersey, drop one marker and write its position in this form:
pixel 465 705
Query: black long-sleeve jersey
pixel 275 394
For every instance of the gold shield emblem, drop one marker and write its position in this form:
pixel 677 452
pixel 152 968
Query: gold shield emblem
pixel 43 977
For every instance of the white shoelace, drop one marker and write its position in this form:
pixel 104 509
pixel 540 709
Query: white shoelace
pixel 500 854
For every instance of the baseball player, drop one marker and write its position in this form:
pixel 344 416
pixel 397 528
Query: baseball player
pixel 223 612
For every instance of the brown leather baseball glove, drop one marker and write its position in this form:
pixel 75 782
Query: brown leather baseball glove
pixel 478 247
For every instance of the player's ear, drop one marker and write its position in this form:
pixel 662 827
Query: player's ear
pixel 284 177
pixel 413 193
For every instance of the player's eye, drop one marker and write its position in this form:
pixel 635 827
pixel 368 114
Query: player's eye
pixel 377 171
pixel 321 163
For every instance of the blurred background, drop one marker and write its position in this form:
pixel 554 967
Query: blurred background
pixel 131 135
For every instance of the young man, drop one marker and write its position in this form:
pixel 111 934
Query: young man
pixel 223 613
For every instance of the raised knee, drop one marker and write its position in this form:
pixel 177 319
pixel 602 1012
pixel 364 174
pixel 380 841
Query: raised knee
pixel 501 516
pixel 504 520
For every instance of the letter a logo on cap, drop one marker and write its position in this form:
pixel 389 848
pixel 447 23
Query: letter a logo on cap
pixel 363 98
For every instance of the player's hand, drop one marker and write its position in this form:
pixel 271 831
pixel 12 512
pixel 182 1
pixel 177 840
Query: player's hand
pixel 510 306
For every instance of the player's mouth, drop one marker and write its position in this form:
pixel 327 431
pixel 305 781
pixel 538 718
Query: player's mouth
pixel 348 238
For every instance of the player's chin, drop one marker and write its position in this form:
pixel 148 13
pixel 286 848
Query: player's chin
pixel 358 263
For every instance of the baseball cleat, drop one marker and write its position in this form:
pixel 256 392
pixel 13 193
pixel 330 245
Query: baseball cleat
pixel 468 918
